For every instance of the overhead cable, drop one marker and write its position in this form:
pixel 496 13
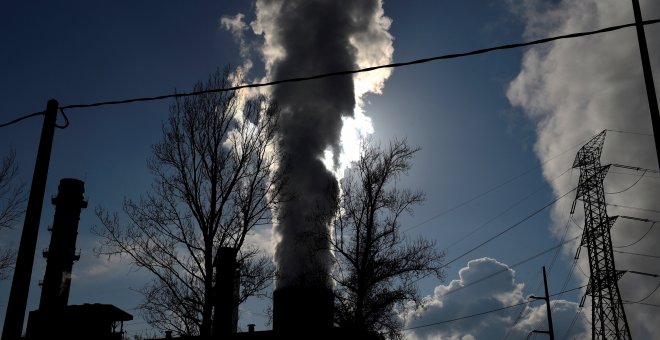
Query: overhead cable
pixel 570 327
pixel 466 316
pixel 636 168
pixel 634 208
pixel 366 69
pixel 502 213
pixel 641 238
pixel 510 227
pixel 485 312
pixel 641 303
pixel 637 254
pixel 20 119
pixel 347 72
pixel 632 132
pixel 628 188
pixel 512 179
pixel 509 267
pixel 647 296
pixel 552 263
pixel 66 119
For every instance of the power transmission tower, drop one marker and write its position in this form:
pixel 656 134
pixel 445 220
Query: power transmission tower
pixel 609 317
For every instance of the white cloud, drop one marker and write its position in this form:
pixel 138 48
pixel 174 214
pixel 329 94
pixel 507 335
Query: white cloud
pixel 470 294
pixel 575 88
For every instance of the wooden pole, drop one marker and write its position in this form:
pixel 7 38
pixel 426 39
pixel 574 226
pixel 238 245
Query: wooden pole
pixel 648 77
pixel 20 285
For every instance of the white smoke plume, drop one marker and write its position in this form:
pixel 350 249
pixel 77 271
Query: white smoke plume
pixel 576 88
pixel 322 119
pixel 454 301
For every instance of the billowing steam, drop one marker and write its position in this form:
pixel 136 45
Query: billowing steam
pixel 576 88
pixel 322 120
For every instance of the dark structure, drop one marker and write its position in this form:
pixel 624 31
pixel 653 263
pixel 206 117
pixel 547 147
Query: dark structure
pixel 608 316
pixel 302 309
pixel 54 318
pixel 87 321
pixel 62 250
pixel 226 293
pixel 301 333
pixel 20 284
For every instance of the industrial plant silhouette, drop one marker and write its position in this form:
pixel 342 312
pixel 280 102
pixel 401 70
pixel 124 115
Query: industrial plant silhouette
pixel 55 318
pixel 297 312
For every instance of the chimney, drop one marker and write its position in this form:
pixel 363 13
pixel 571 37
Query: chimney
pixel 302 309
pixel 226 292
pixel 61 253
pixel 250 328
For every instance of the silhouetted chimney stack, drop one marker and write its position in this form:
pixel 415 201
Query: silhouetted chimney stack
pixel 298 310
pixel 226 292
pixel 62 250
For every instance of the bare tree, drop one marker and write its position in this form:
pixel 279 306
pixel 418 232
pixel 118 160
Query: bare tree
pixel 214 184
pixel 12 202
pixel 377 267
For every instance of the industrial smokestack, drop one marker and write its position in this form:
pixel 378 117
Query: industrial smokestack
pixel 226 292
pixel 62 250
pixel 302 309
pixel 302 38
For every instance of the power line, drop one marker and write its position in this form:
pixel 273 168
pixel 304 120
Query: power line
pixel 568 330
pixel 518 318
pixel 563 237
pixel 552 263
pixel 632 132
pixel 346 72
pixel 641 238
pixel 483 313
pixel 640 303
pixel 508 267
pixel 512 179
pixel 510 227
pixel 629 174
pixel 628 188
pixel 647 296
pixel 637 254
pixel 465 317
pixel 636 168
pixel 570 275
pixel 541 187
pixel 510 328
pixel 66 119
pixel 634 208
pixel 20 119
pixel 368 69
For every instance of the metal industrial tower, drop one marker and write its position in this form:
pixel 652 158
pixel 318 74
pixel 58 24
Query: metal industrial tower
pixel 608 316
pixel 62 251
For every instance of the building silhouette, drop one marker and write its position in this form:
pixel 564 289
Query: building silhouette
pixel 55 319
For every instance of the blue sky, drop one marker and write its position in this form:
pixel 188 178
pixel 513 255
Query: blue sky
pixel 480 121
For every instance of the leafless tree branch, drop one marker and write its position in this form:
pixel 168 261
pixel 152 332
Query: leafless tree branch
pixel 376 266
pixel 213 184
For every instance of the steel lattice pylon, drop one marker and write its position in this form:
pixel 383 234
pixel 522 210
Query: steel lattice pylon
pixel 608 316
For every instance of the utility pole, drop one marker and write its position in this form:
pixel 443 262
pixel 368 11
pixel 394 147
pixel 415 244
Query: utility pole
pixel 550 330
pixel 648 77
pixel 20 284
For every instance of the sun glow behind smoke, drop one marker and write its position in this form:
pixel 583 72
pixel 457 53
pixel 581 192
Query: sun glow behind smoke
pixel 321 123
pixel 354 130
pixel 373 47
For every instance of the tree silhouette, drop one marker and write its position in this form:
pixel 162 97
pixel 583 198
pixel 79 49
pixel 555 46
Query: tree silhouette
pixel 377 267
pixel 12 201
pixel 214 184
